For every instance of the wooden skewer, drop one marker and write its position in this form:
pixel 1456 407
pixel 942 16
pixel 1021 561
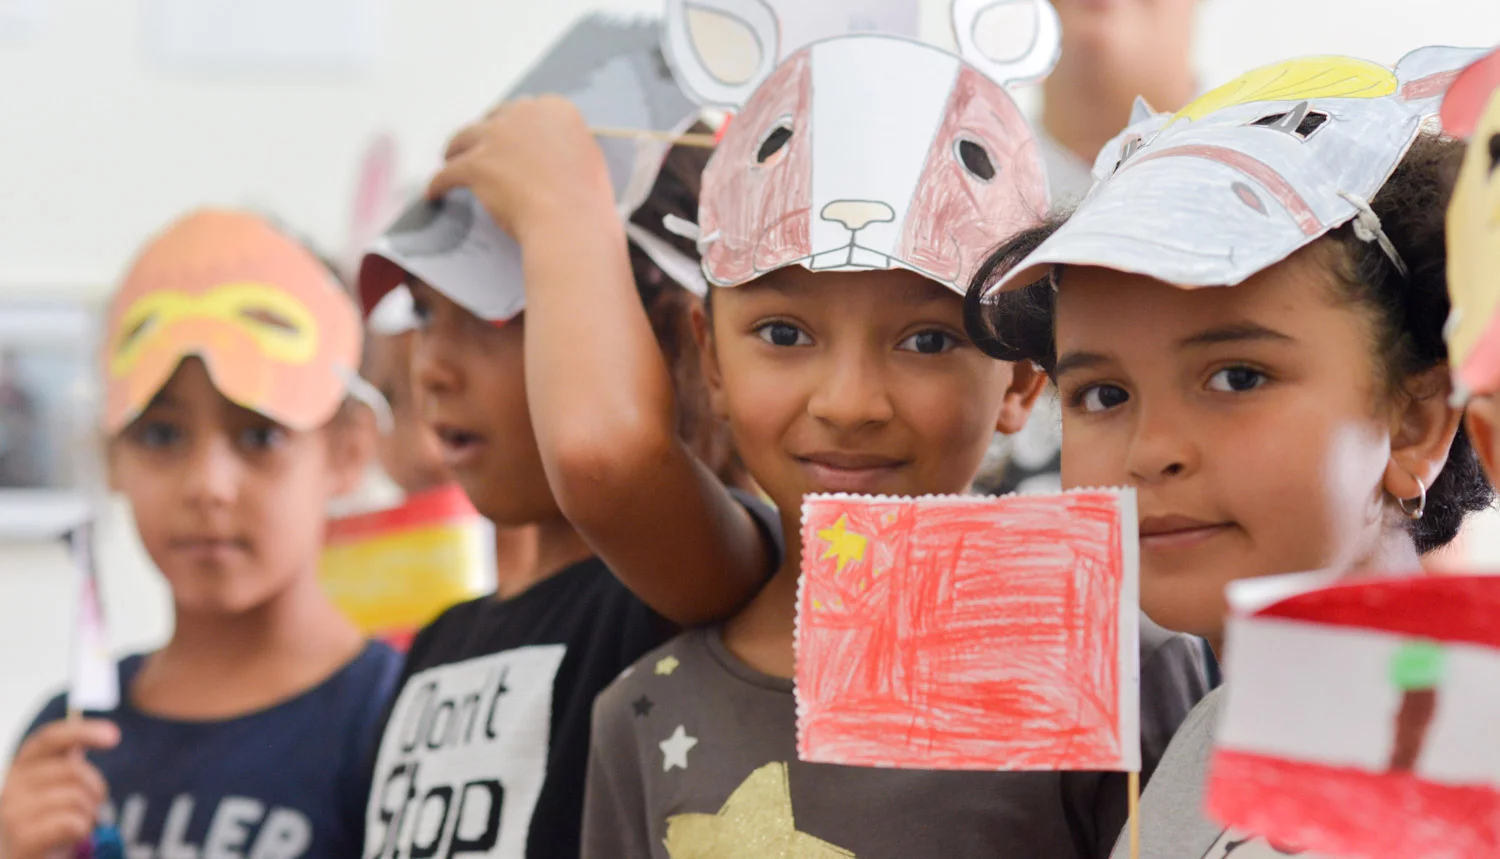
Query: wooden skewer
pixel 1135 814
pixel 702 141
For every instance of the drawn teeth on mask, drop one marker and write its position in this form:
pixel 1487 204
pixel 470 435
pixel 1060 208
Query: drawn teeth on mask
pixel 866 258
pixel 831 259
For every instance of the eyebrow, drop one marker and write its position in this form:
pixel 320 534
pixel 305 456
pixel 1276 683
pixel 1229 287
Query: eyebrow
pixel 1239 332
pixel 1071 361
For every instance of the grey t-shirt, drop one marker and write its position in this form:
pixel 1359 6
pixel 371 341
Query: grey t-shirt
pixel 694 755
pixel 1173 825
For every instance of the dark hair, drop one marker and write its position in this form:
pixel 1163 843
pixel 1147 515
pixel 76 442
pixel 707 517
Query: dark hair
pixel 669 307
pixel 1409 311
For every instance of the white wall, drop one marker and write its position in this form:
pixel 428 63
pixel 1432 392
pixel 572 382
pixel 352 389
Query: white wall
pixel 100 148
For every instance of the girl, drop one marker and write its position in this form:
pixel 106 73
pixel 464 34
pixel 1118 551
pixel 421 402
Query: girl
pixel 854 380
pixel 228 352
pixel 486 747
pixel 1297 417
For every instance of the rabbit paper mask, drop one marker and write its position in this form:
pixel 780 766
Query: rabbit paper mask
pixel 1250 172
pixel 277 334
pixel 1472 109
pixel 863 151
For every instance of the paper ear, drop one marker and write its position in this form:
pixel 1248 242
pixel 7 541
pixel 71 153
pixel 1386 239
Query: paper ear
pixel 1011 41
pixel 1140 111
pixel 1467 97
pixel 1426 73
pixel 720 50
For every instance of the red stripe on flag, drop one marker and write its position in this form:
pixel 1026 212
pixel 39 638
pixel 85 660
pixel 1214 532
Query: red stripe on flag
pixel 1442 608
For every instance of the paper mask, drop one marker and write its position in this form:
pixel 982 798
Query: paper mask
pixel 614 72
pixel 1249 172
pixel 969 632
pixel 1361 717
pixel 1472 108
pixel 863 152
pixel 393 571
pixel 276 332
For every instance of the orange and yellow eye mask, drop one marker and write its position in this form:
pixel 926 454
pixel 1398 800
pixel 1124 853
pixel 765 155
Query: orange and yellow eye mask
pixel 274 329
pixel 1472 110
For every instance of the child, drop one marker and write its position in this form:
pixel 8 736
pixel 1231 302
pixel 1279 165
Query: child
pixel 1472 110
pixel 486 747
pixel 227 356
pixel 857 379
pixel 1295 417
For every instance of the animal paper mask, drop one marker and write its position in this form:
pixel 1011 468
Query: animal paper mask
pixel 276 332
pixel 1472 108
pixel 1250 172
pixel 863 151
pixel 614 72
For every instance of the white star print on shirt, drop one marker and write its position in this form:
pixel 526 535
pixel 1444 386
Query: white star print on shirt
pixel 674 749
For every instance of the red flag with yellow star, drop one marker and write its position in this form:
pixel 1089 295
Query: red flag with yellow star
pixel 970 632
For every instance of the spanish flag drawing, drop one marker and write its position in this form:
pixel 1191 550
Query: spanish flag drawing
pixel 1361 716
pixel 394 570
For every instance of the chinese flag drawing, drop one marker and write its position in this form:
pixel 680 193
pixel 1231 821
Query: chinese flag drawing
pixel 1361 718
pixel 969 633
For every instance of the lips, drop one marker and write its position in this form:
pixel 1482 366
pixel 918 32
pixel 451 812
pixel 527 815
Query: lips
pixel 460 446
pixel 210 549
pixel 844 471
pixel 1165 533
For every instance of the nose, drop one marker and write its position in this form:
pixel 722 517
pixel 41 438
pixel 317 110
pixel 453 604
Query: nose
pixel 1160 449
pixel 852 394
pixel 858 214
pixel 214 472
pixel 433 368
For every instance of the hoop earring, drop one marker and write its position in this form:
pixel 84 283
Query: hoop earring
pixel 1421 508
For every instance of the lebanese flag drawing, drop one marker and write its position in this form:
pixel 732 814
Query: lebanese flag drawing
pixel 1362 718
pixel 972 633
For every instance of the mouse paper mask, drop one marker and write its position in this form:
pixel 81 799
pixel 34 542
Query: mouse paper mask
pixel 276 332
pixel 1250 172
pixel 613 71
pixel 863 151
pixel 1472 109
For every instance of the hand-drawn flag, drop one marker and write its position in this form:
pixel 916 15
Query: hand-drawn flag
pixel 393 571
pixel 969 632
pixel 1361 717
pixel 93 683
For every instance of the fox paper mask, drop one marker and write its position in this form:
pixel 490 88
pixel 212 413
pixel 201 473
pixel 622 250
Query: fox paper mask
pixel 863 151
pixel 276 332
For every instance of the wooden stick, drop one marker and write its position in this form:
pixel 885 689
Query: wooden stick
pixel 702 141
pixel 1135 815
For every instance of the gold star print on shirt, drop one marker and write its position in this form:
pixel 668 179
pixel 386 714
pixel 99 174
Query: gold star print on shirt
pixel 755 823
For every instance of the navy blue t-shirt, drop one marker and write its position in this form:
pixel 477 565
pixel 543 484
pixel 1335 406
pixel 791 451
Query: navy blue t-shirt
pixel 288 781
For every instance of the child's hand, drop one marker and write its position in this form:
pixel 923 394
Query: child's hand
pixel 531 161
pixel 52 794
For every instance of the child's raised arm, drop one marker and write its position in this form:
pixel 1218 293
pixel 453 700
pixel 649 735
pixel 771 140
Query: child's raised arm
pixel 599 390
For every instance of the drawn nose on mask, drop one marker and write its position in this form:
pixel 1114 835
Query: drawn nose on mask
pixel 857 214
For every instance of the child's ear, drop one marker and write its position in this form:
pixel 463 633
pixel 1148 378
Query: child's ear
pixel 708 355
pixel 351 446
pixel 1483 421
pixel 1422 430
pixel 1026 383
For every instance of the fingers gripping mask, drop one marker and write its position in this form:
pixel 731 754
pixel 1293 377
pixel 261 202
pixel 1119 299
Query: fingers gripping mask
pixel 275 331
pixel 1250 172
pixel 863 151
pixel 1472 109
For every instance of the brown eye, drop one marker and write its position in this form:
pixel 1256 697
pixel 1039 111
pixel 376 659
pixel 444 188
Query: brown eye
pixel 975 159
pixel 774 143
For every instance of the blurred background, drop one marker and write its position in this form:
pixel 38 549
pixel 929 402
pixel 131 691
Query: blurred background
pixel 120 114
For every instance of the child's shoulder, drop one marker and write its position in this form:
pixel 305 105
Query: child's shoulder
pixel 686 655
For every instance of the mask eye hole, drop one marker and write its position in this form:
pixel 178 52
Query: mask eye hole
pixel 135 333
pixel 1307 123
pixel 974 158
pixel 775 140
pixel 1494 153
pixel 268 318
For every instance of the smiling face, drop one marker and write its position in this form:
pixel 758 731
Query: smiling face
pixel 857 383
pixel 1250 420
pixel 472 380
pixel 229 504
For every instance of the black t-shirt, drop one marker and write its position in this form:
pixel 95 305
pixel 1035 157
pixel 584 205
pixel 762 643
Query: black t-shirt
pixel 486 747
pixel 282 782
